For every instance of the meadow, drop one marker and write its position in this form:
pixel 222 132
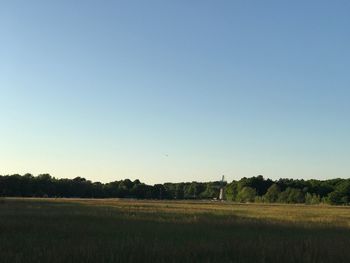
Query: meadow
pixel 121 230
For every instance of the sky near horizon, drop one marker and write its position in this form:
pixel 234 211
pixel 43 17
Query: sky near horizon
pixel 170 91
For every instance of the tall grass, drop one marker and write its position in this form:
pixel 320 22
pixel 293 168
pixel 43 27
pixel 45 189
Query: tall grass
pixel 36 230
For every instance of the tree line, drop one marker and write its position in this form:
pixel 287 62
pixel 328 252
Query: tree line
pixel 292 191
pixel 254 189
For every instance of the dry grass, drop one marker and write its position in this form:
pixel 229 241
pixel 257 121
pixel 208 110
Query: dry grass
pixel 110 230
pixel 298 214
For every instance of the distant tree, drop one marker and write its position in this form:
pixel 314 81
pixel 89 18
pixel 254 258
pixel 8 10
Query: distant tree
pixel 335 198
pixel 137 190
pixel 191 191
pixel 312 199
pixel 231 191
pixel 45 185
pixel 291 195
pixel 247 194
pixel 333 191
pixel 159 192
pixel 123 190
pixel 341 194
pixel 272 194
pixel 179 191
pixel 211 191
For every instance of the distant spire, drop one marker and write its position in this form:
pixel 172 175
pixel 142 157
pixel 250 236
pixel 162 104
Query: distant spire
pixel 221 195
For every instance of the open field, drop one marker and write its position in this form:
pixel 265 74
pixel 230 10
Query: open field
pixel 90 230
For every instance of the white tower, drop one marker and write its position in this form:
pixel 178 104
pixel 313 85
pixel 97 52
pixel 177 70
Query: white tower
pixel 221 195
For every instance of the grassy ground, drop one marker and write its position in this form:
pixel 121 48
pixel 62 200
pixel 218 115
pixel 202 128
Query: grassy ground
pixel 76 230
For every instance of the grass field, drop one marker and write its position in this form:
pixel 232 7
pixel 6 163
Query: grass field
pixel 77 230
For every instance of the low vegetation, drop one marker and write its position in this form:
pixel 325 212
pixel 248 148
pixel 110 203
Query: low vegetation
pixel 109 230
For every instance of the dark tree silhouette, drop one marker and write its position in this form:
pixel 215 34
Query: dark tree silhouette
pixel 334 191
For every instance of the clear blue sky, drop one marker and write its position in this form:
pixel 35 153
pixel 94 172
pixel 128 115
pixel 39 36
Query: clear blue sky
pixel 175 90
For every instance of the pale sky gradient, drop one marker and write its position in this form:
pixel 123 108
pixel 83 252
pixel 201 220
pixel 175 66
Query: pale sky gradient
pixel 175 90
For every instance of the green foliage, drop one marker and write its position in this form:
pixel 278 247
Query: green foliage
pixel 246 194
pixel 272 194
pixel 179 191
pixel 312 199
pixel 210 192
pixel 341 196
pixel 337 198
pixel 258 199
pixel 231 191
pixel 254 189
pixel 291 196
